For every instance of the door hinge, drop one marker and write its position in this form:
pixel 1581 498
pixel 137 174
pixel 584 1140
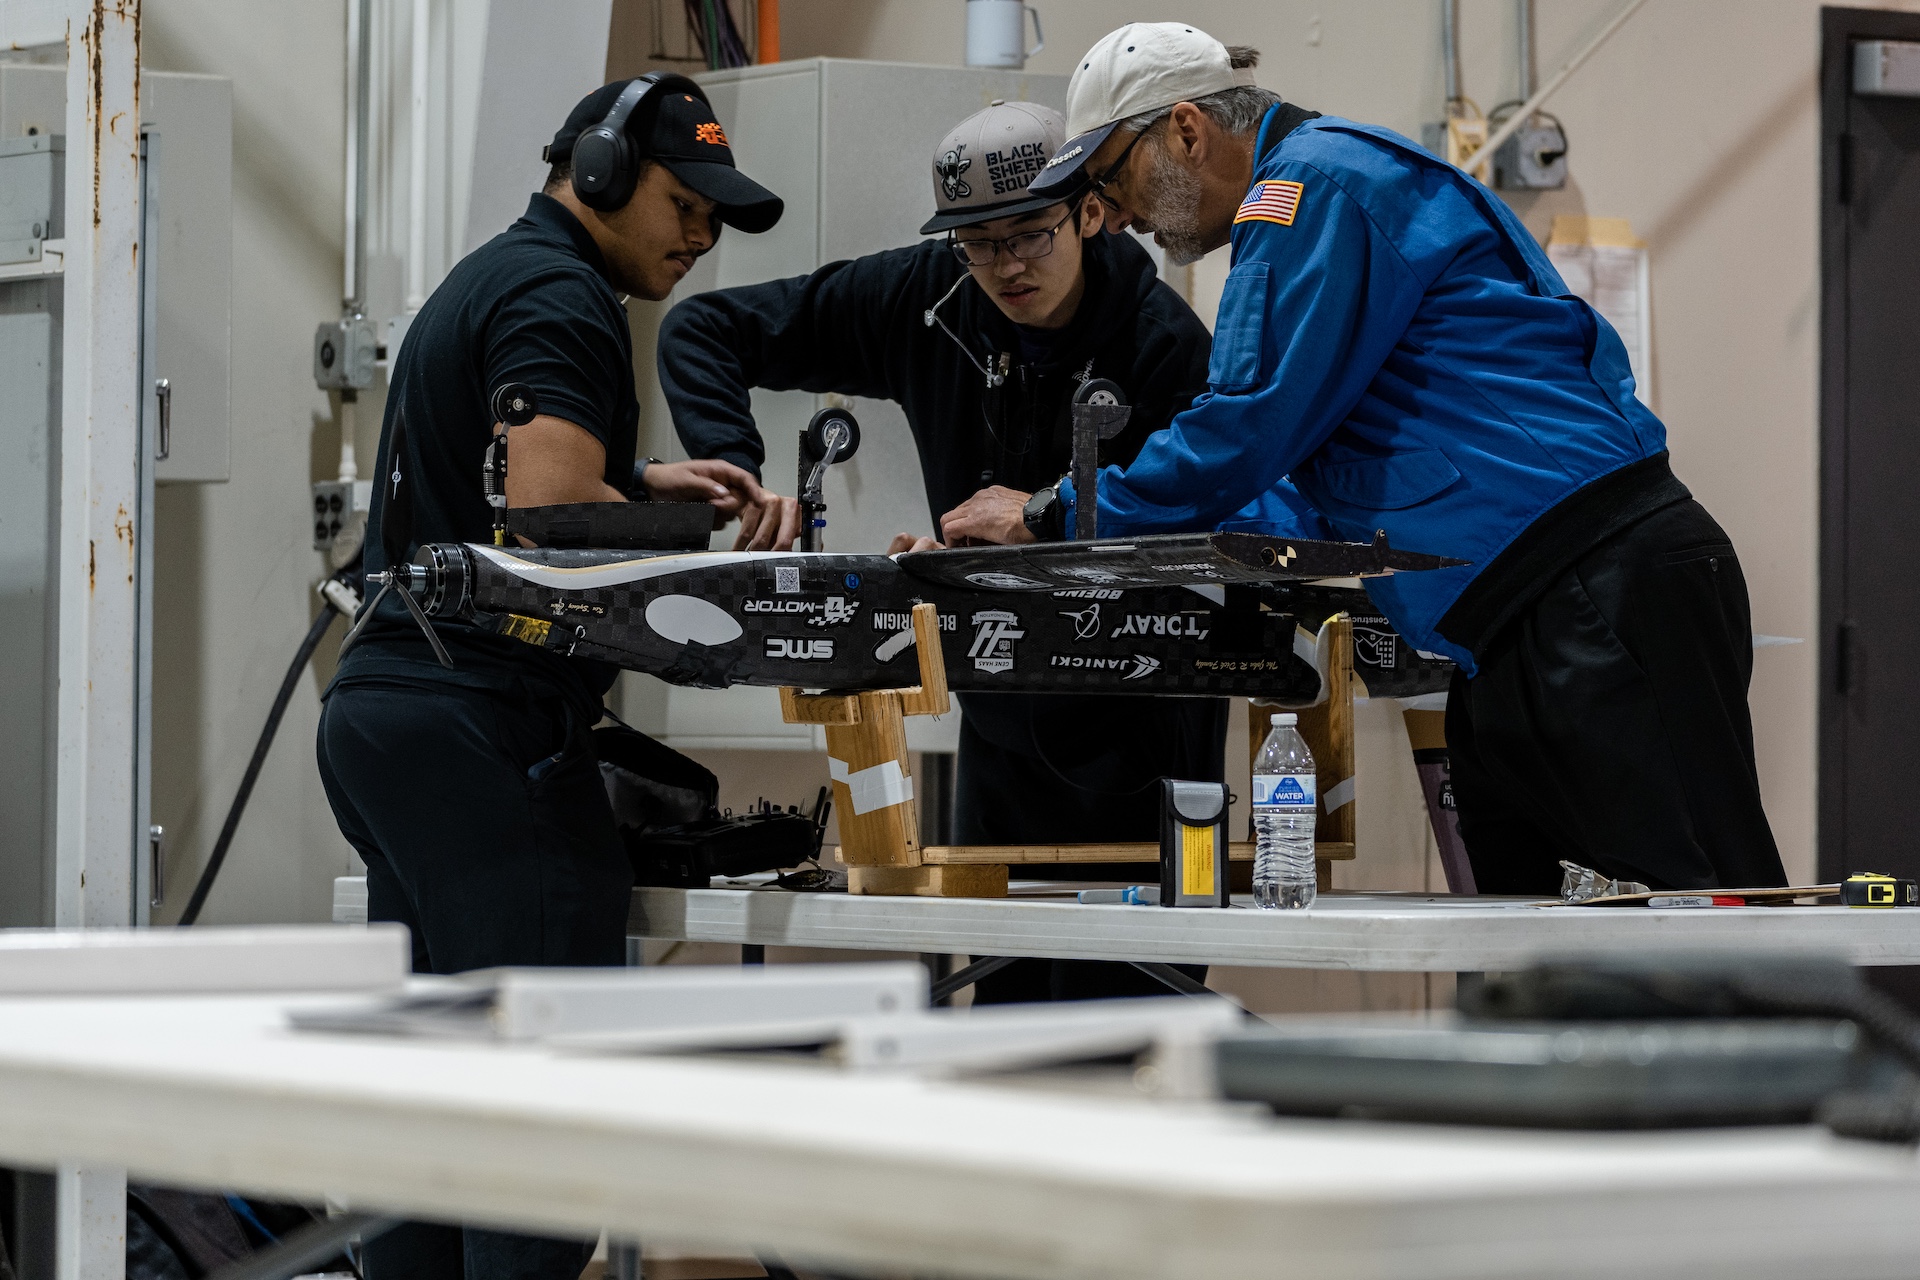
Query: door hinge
pixel 1843 657
pixel 1844 183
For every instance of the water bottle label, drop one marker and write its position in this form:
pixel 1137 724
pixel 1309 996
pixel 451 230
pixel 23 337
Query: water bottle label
pixel 1283 791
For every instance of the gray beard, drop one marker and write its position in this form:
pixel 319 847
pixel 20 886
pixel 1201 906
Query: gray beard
pixel 1174 209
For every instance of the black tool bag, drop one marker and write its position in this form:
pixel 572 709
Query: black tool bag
pixel 666 808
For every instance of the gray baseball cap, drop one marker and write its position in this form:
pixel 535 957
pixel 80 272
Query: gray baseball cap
pixel 982 168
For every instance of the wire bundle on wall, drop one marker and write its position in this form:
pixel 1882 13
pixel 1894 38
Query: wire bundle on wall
pixel 711 24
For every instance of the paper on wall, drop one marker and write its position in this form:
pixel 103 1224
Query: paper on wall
pixel 1604 263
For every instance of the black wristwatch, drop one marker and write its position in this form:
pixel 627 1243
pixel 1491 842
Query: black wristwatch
pixel 1045 515
pixel 638 491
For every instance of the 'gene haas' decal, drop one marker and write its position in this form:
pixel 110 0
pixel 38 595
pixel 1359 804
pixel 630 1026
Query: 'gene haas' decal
pixel 1178 615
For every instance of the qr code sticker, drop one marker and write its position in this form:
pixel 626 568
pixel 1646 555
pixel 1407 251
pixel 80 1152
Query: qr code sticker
pixel 786 579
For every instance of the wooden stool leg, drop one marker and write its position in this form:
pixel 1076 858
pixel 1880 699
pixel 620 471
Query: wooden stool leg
pixel 1328 729
pixel 873 786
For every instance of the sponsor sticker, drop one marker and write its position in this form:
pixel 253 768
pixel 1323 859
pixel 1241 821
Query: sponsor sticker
pixel 830 612
pixel 1086 622
pixel 1005 582
pixel 1088 593
pixel 800 648
pixel 1180 626
pixel 1374 646
pixel 578 608
pixel 995 633
pixel 1214 665
pixel 894 620
pixel 1133 666
pixel 1090 573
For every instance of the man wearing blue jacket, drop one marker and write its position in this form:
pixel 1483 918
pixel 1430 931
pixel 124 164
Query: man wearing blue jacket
pixel 1394 341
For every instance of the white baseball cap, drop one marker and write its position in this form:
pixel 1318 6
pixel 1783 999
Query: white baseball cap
pixel 1144 66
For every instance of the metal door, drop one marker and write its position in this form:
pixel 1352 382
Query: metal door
pixel 1870 445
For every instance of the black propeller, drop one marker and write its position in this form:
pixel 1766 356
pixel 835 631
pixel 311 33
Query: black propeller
pixel 396 535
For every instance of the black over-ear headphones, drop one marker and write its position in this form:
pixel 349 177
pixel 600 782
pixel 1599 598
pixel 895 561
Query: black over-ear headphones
pixel 606 158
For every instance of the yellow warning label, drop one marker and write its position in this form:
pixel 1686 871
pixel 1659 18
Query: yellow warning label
pixel 521 627
pixel 1196 861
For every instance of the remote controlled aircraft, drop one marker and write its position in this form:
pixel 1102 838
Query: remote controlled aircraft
pixel 1209 614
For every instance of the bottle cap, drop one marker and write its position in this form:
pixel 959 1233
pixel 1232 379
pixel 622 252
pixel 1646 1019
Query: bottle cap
pixel 1285 718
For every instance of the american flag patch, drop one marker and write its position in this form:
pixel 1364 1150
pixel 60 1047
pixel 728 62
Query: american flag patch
pixel 1271 202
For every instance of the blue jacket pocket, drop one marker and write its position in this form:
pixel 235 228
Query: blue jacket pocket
pixel 1386 483
pixel 1239 329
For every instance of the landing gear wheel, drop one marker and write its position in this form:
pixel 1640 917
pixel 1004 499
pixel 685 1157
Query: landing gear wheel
pixel 1100 391
pixel 816 438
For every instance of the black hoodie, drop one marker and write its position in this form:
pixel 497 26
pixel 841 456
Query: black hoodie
pixel 1033 768
pixel 859 328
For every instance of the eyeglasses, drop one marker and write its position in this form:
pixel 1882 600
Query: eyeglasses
pixel 1026 246
pixel 1101 183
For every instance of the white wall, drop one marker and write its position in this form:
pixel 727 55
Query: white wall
pixel 235 575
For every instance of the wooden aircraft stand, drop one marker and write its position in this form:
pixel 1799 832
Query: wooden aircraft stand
pixel 873 782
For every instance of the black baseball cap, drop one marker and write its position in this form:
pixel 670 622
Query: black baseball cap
pixel 685 138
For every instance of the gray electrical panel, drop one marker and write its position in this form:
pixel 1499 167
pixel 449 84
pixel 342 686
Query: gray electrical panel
pixel 191 245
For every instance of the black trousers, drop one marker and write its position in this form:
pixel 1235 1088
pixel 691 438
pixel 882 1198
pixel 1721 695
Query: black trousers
pixel 1608 722
pixel 1065 768
pixel 485 829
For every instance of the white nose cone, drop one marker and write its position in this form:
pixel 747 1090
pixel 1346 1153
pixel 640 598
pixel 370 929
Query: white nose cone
pixel 689 619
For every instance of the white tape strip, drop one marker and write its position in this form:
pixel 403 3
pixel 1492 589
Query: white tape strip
pixel 1340 793
pixel 876 788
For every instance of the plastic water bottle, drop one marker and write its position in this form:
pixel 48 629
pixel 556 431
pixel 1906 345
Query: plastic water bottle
pixel 1285 803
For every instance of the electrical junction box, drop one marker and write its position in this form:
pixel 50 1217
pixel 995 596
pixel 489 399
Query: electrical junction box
pixel 338 505
pixel 1887 68
pixel 32 184
pixel 344 352
pixel 1533 159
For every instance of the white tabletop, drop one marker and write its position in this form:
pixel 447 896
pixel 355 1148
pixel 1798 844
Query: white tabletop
pixel 909 1175
pixel 1387 932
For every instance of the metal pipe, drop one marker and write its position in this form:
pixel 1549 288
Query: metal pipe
pixel 417 161
pixel 359 42
pixel 1535 101
pixel 1450 48
pixel 766 42
pixel 1523 32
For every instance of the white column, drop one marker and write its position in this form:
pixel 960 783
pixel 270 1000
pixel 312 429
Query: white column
pixel 94 841
pixel 90 1214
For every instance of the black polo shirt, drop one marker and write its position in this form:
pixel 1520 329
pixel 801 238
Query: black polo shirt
pixel 532 305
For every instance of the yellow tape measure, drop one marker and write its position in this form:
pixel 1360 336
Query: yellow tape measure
pixel 1871 889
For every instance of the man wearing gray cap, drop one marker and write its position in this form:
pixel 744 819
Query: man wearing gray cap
pixel 1394 341
pixel 982 336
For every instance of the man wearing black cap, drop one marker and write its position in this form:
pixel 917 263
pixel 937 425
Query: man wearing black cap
pixel 982 337
pixel 472 794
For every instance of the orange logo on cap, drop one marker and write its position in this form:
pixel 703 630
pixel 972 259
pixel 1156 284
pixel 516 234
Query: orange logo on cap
pixel 710 132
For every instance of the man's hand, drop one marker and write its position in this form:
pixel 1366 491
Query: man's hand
pixel 771 524
pixel 996 515
pixel 905 542
pixel 730 489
